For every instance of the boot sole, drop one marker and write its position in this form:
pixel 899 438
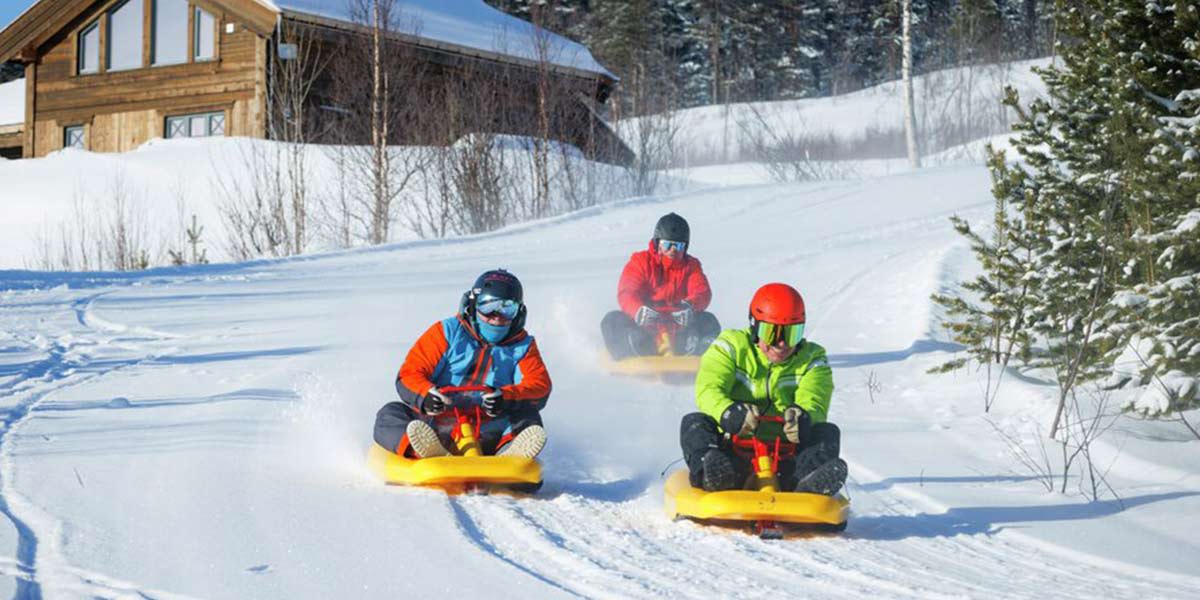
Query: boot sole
pixel 424 440
pixel 527 444
pixel 826 480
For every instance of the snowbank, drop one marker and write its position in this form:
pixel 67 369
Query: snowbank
pixel 953 105
pixel 164 182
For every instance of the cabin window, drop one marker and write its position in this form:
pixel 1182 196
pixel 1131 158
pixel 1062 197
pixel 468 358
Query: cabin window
pixel 73 137
pixel 205 36
pixel 198 125
pixel 169 36
pixel 89 49
pixel 125 29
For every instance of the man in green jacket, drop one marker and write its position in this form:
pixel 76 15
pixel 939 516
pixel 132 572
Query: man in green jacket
pixel 767 369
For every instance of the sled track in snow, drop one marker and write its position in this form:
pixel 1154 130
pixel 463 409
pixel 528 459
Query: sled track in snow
pixel 61 367
pixel 599 549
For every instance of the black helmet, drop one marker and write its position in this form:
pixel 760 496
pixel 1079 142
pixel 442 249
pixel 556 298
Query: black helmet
pixel 672 227
pixel 497 283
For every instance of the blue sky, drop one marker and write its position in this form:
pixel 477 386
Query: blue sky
pixel 9 9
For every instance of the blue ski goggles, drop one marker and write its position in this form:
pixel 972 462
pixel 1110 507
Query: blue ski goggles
pixel 772 333
pixel 491 305
pixel 665 246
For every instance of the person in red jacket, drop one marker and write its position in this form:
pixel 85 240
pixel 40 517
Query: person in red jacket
pixel 663 294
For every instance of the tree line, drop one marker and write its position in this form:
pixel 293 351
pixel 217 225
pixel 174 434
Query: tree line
pixel 685 53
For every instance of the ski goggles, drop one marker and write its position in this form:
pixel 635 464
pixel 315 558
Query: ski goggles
pixel 668 245
pixel 772 333
pixel 491 305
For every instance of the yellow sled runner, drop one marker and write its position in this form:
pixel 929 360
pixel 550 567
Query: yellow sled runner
pixel 469 470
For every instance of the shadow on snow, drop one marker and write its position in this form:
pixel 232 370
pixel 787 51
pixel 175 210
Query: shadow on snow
pixel 974 520
pixel 874 358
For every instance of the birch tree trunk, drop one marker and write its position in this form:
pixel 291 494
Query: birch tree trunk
pixel 910 118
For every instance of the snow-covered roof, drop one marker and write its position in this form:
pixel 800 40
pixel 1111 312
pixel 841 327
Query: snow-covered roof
pixel 12 102
pixel 468 24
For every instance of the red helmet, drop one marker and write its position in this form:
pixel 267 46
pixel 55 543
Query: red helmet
pixel 777 303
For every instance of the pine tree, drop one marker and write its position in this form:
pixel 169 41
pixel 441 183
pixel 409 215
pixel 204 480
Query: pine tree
pixel 1110 185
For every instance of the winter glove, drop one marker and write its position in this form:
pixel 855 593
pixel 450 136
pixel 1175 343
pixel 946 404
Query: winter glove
pixel 796 424
pixel 740 419
pixel 434 402
pixel 646 315
pixel 684 315
pixel 494 403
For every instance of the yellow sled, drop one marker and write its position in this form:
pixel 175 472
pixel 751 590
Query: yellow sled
pixel 653 366
pixel 764 506
pixel 666 366
pixel 469 470
pixel 452 471
pixel 683 500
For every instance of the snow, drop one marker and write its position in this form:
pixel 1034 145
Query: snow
pixel 721 133
pixel 200 432
pixel 161 176
pixel 465 23
pixel 12 102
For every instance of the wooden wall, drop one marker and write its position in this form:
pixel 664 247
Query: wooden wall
pixel 122 110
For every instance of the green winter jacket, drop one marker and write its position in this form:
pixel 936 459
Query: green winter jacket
pixel 733 369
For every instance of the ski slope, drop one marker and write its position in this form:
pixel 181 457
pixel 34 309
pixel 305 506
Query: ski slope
pixel 200 432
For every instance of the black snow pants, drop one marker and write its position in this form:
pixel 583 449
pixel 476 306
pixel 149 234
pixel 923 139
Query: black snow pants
pixel 698 433
pixel 391 425
pixel 624 338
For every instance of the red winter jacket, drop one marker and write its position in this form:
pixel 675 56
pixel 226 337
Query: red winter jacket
pixel 646 281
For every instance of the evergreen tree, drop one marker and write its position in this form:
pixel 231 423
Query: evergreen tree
pixel 1110 190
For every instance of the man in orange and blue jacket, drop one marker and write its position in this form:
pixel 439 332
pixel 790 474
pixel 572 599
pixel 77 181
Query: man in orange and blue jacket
pixel 485 344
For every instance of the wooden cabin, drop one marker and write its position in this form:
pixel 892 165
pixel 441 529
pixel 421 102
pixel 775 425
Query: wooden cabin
pixel 109 75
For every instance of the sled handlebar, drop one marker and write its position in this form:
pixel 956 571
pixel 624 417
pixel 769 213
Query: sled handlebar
pixel 464 389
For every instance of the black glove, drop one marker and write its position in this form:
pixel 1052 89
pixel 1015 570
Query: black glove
pixel 494 403
pixel 796 424
pixel 434 402
pixel 684 315
pixel 740 419
pixel 646 315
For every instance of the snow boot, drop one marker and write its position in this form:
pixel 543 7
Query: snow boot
pixel 424 440
pixel 528 443
pixel 826 479
pixel 719 472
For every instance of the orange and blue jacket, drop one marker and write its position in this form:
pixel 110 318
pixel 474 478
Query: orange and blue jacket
pixel 648 280
pixel 451 353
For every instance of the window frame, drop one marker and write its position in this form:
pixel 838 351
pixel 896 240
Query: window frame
pixel 108 38
pixel 68 130
pixel 197 28
pixel 93 26
pixel 102 23
pixel 153 35
pixel 185 121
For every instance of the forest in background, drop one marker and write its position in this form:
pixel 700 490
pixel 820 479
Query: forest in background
pixel 673 54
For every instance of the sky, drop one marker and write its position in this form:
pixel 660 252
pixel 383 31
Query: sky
pixel 9 9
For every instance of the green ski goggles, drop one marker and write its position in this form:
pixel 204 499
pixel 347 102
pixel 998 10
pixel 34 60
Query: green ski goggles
pixel 772 333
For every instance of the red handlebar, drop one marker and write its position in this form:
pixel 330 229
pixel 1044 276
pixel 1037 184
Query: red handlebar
pixel 464 389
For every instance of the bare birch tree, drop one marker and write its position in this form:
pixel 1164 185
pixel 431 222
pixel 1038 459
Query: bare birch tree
pixel 910 118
